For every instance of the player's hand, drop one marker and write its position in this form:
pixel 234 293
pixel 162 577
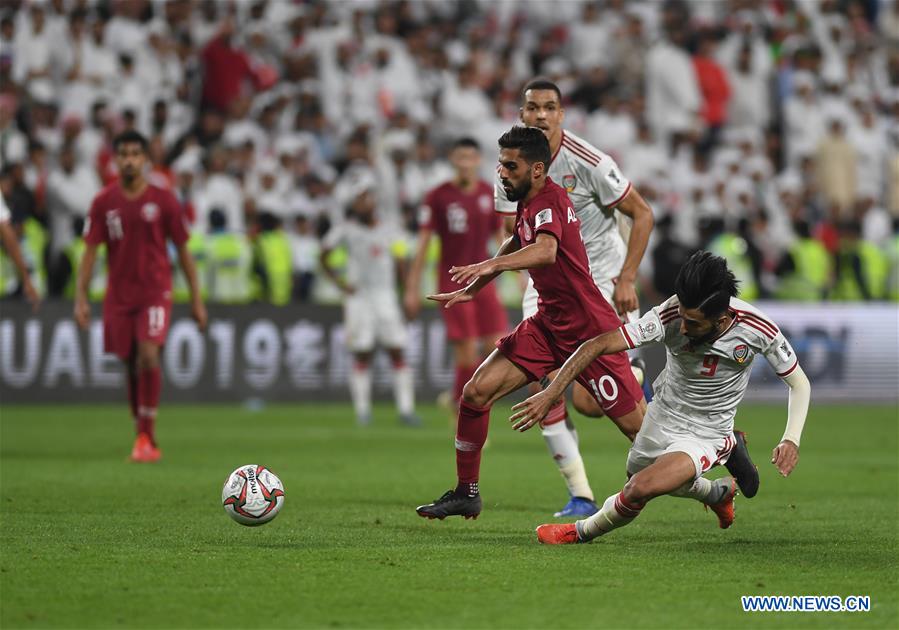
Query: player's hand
pixel 411 305
pixel 467 273
pixel 451 299
pixel 785 457
pixel 531 411
pixel 82 313
pixel 624 296
pixel 31 294
pixel 198 312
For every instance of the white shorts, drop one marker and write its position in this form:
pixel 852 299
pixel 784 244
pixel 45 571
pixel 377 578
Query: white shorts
pixel 529 301
pixel 656 438
pixel 373 319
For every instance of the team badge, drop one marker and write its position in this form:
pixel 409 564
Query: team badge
pixel 569 182
pixel 741 352
pixel 149 211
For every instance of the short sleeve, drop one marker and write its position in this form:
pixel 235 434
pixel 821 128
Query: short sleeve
pixel 781 356
pixel 426 212
pixel 335 237
pixel 549 221
pixel 609 183
pixel 175 221
pixel 95 224
pixel 647 329
pixel 4 210
pixel 500 202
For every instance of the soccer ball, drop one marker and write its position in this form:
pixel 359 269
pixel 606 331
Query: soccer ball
pixel 253 495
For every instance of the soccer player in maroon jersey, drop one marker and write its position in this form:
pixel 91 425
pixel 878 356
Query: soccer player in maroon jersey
pixel 461 213
pixel 546 242
pixel 135 219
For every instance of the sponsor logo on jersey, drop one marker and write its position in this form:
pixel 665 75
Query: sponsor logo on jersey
pixel 149 211
pixel 569 182
pixel 526 229
pixel 784 351
pixel 648 329
pixel 544 216
pixel 614 176
pixel 741 353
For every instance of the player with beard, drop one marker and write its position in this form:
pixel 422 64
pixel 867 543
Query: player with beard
pixel 598 190
pixel 711 339
pixel 136 220
pixel 547 242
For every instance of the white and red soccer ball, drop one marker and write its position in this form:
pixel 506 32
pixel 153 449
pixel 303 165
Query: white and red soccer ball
pixel 253 495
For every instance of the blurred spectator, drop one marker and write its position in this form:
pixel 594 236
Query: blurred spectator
pixel 715 89
pixel 229 262
pixel 861 270
pixel 806 269
pixel 837 168
pixel 305 250
pixel 668 256
pixel 71 187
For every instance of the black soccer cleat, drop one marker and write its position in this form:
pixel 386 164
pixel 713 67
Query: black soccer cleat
pixel 740 465
pixel 451 504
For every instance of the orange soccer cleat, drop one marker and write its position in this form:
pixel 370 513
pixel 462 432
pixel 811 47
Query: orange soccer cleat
pixel 724 509
pixel 144 451
pixel 558 534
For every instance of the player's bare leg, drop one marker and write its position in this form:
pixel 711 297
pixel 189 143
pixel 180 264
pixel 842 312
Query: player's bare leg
pixel 672 473
pixel 360 387
pixel 149 386
pixel 403 388
pixel 495 378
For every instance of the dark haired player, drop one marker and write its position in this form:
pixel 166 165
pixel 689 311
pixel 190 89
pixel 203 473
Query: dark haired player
pixel 135 220
pixel 547 242
pixel 711 339
pixel 461 213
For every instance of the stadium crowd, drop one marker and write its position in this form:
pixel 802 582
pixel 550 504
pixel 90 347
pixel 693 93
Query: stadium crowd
pixel 766 132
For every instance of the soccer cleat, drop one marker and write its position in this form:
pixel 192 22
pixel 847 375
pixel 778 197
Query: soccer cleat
pixel 577 507
pixel 558 534
pixel 410 420
pixel 363 420
pixel 724 509
pixel 144 451
pixel 451 504
pixel 741 466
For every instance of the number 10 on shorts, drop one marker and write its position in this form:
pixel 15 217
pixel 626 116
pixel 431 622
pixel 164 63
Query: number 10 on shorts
pixel 604 388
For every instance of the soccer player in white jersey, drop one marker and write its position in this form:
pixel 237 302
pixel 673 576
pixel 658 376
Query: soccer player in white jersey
pixel 372 315
pixel 711 339
pixel 597 188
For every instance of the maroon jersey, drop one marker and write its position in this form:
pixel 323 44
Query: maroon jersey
pixel 570 305
pixel 135 232
pixel 464 222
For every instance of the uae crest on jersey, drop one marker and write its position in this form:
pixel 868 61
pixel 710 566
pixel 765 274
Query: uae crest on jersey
pixel 741 352
pixel 149 211
pixel 569 182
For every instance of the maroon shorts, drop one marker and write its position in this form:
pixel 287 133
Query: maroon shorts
pixel 484 316
pixel 124 327
pixel 609 378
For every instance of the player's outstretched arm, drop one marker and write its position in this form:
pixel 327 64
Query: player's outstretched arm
pixel 484 273
pixel 411 299
pixel 189 269
pixel 85 271
pixel 786 454
pixel 541 253
pixel 11 244
pixel 324 260
pixel 624 296
pixel 534 409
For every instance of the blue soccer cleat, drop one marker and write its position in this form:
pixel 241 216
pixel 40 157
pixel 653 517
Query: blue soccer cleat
pixel 577 507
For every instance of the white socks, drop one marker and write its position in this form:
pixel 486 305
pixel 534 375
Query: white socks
pixel 404 390
pixel 360 391
pixel 615 512
pixel 563 447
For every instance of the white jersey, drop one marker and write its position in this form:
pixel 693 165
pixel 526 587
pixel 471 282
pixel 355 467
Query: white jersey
pixel 701 386
pixel 595 186
pixel 370 265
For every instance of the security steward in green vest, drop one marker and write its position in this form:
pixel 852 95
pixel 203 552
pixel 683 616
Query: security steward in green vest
pixel 806 269
pixel 861 268
pixel 229 262
pixel 273 263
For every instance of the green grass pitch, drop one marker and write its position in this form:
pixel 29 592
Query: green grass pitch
pixel 89 540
